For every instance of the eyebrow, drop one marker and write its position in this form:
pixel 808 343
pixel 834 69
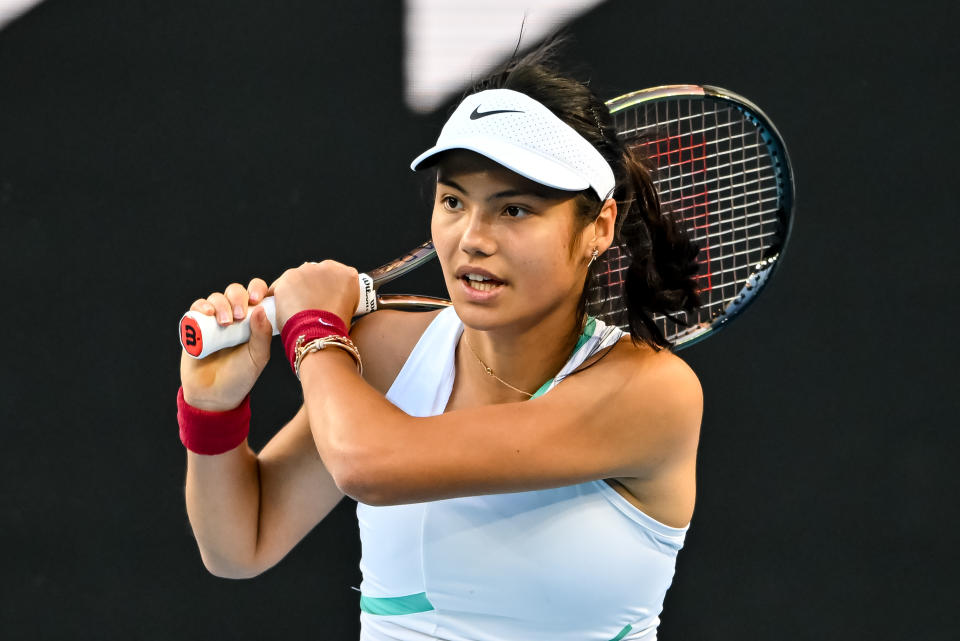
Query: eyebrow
pixel 507 193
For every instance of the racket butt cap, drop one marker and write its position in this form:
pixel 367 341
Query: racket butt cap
pixel 191 336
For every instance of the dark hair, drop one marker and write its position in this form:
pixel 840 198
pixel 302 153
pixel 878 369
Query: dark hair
pixel 662 259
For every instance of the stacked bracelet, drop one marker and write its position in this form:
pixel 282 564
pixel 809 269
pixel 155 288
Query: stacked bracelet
pixel 312 330
pixel 210 433
pixel 303 348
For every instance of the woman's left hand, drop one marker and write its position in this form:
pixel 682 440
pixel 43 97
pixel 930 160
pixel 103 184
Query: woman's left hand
pixel 330 286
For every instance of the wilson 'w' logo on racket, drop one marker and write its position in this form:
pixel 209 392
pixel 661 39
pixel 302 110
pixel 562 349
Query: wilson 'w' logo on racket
pixel 720 169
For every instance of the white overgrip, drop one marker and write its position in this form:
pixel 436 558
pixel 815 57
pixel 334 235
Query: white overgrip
pixel 201 335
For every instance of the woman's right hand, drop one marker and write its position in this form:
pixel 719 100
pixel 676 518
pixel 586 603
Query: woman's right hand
pixel 223 379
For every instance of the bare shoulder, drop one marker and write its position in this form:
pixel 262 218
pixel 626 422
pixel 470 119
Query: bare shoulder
pixel 655 395
pixel 385 339
pixel 660 368
pixel 644 367
pixel 664 377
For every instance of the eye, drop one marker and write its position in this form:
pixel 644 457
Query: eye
pixel 451 202
pixel 516 211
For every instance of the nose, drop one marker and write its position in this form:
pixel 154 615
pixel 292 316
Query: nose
pixel 477 238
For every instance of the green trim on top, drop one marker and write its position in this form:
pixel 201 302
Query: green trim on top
pixel 389 606
pixel 587 332
pixel 623 633
pixel 585 335
pixel 543 389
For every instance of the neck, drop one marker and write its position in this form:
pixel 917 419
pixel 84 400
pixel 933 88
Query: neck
pixel 521 356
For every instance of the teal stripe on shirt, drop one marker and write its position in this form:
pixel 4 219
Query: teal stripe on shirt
pixel 388 606
pixel 623 633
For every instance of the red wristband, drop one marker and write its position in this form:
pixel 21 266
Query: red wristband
pixel 311 324
pixel 204 432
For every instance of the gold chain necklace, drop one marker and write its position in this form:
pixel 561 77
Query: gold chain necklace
pixel 490 371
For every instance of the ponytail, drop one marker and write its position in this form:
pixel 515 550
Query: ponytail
pixel 661 261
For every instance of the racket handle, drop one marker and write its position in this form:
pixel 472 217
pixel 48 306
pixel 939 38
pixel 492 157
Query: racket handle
pixel 201 335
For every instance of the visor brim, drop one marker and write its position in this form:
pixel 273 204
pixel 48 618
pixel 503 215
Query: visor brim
pixel 529 164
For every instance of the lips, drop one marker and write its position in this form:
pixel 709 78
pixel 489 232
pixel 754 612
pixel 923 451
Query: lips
pixel 463 271
pixel 478 280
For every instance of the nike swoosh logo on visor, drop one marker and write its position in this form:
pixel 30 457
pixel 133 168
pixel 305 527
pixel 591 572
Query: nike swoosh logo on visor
pixel 476 112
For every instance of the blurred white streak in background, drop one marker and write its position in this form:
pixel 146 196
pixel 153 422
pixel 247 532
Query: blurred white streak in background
pixel 449 43
pixel 10 9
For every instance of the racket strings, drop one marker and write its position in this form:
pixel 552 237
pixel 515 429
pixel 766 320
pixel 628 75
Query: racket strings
pixel 713 173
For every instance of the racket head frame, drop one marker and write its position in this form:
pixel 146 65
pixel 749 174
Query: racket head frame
pixel 782 168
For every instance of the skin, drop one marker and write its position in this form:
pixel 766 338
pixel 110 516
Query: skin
pixel 633 418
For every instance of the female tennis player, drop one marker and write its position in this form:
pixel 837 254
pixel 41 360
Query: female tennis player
pixel 522 470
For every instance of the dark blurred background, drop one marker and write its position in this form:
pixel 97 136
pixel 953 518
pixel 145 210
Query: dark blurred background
pixel 151 153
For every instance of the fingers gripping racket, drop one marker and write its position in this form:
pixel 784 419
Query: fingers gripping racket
pixel 201 335
pixel 720 168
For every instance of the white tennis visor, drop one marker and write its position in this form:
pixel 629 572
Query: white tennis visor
pixel 521 134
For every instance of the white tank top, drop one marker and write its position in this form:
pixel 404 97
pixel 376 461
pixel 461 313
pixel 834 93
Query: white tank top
pixel 576 563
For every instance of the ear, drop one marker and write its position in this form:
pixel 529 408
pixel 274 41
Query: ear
pixel 603 228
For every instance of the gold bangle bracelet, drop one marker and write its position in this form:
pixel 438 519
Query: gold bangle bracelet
pixel 302 349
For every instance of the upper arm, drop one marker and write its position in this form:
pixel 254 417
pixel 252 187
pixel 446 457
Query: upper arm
pixel 629 415
pixel 296 491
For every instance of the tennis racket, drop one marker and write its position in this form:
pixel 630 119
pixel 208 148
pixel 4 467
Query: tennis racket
pixel 721 169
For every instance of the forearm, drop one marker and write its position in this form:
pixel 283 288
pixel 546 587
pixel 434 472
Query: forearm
pixel 223 504
pixel 351 422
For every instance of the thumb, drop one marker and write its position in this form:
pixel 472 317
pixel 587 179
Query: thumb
pixel 261 333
